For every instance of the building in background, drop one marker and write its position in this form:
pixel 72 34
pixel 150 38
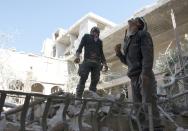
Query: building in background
pixel 66 43
pixel 158 17
pixel 55 70
pixel 31 73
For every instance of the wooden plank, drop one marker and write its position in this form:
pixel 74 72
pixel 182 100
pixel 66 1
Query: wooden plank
pixel 67 102
pixel 45 114
pixel 2 102
pixel 81 114
pixel 24 112
pixel 19 108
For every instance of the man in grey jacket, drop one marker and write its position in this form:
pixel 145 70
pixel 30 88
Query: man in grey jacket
pixel 138 55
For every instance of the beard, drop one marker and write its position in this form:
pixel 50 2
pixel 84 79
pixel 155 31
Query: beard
pixel 131 30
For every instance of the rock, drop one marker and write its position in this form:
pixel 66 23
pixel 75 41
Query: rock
pixel 73 111
pixel 101 93
pixel 59 126
pixel 184 113
pixel 11 125
pixel 181 129
pixel 10 129
pixel 73 126
pixel 91 94
pixel 104 109
pixel 110 98
pixel 106 129
pixel 38 111
pixel 2 122
pixel 34 127
pixel 57 118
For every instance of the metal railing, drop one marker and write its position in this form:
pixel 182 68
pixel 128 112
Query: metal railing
pixel 123 109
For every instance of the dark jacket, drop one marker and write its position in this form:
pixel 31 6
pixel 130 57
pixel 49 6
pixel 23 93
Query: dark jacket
pixel 138 53
pixel 92 50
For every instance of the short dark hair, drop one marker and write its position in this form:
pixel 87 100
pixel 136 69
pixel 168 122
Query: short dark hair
pixel 95 29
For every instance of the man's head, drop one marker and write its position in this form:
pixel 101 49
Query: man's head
pixel 95 32
pixel 136 24
pixel 132 26
pixel 141 23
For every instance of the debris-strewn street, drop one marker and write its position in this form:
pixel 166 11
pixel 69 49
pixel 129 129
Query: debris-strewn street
pixel 94 112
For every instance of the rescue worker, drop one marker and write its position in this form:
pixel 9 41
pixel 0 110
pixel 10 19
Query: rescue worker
pixel 137 54
pixel 93 62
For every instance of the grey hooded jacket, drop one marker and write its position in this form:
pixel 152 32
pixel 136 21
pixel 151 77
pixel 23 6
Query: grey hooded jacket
pixel 138 53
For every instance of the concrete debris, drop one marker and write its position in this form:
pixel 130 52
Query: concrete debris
pixel 12 125
pixel 91 94
pixel 106 129
pixel 2 122
pixel 59 126
pixel 181 129
pixel 103 116
pixel 55 116
pixel 38 111
pixel 184 113
pixel 73 111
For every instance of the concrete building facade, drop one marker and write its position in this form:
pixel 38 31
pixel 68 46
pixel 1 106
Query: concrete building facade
pixel 31 73
pixel 158 17
pixel 55 68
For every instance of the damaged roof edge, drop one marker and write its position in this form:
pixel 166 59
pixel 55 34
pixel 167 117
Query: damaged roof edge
pixel 143 12
pixel 92 16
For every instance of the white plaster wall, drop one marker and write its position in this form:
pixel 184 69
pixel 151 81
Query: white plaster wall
pixel 43 69
pixel 60 49
pixel 73 39
pixel 47 48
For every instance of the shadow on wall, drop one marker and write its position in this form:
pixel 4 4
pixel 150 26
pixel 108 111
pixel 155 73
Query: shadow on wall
pixel 55 89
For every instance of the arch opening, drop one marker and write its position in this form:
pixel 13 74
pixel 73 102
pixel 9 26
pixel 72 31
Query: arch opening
pixel 55 89
pixel 37 87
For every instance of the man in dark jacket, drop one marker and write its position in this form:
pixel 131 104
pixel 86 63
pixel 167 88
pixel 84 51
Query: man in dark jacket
pixel 93 59
pixel 137 54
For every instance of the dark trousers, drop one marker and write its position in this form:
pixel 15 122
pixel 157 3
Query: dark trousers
pixel 84 69
pixel 144 91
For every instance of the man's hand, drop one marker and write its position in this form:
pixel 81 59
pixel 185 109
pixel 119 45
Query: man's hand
pixel 77 60
pixel 117 49
pixel 144 80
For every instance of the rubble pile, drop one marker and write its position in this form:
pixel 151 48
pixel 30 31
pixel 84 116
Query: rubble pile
pixel 101 111
pixel 55 116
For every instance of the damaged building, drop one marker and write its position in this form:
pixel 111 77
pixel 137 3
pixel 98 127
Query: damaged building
pixel 158 17
pixel 54 72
